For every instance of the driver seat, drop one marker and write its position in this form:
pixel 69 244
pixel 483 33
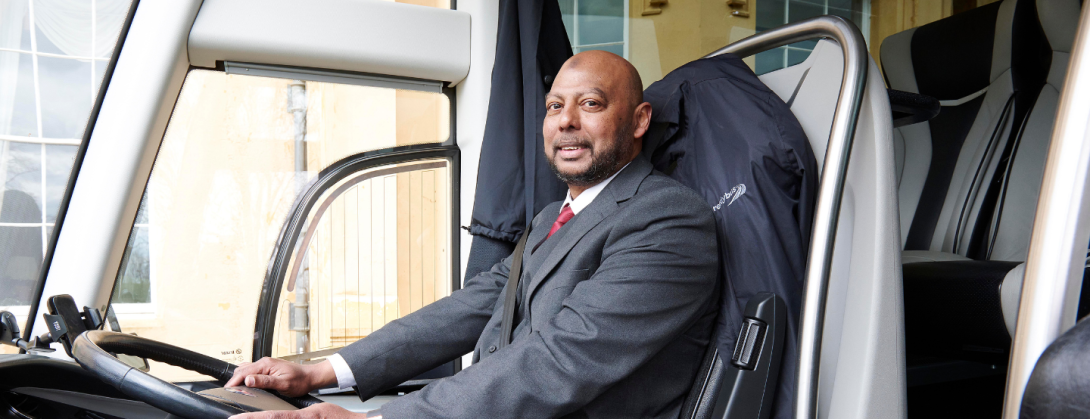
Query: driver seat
pixel 863 322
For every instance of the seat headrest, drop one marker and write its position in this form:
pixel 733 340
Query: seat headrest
pixel 1060 20
pixel 897 61
pixel 963 54
pixel 953 57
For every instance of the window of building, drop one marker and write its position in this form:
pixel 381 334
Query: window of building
pixel 237 152
pixel 658 36
pixel 53 55
pixel 775 13
pixel 596 25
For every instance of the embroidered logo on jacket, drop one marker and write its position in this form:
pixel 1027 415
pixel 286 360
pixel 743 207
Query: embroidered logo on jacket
pixel 729 197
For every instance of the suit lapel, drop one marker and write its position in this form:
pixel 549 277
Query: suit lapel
pixel 620 189
pixel 541 228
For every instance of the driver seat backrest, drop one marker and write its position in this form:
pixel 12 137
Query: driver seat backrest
pixel 862 364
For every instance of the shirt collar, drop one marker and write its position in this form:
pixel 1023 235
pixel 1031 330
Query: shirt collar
pixel 588 195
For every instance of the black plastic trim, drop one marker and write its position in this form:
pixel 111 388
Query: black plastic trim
pixel 62 210
pixel 724 390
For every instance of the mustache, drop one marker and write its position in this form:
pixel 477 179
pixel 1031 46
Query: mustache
pixel 571 141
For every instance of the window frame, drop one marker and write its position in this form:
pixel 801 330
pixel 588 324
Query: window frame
pixel 625 40
pixel 290 234
pixel 864 27
pixel 77 164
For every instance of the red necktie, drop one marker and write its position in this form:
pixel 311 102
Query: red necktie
pixel 565 215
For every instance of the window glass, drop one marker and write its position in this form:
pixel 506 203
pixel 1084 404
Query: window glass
pixel 237 151
pixel 595 24
pixel 781 12
pixel 376 247
pixel 53 55
pixel 658 36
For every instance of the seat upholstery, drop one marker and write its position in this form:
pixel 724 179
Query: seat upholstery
pixel 1013 218
pixel 969 179
pixel 862 365
pixel 978 165
pixel 718 130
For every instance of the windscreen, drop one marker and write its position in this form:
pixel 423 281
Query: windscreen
pixel 237 153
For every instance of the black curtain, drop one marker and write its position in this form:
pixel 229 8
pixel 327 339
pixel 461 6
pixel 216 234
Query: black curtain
pixel 514 181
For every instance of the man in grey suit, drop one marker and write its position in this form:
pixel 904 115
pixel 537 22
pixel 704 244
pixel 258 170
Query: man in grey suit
pixel 616 300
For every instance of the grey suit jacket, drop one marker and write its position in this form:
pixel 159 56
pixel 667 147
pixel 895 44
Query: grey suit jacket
pixel 615 311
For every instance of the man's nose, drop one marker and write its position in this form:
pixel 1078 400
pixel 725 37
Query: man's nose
pixel 569 118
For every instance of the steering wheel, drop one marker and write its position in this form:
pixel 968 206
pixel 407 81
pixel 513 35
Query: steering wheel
pixel 92 351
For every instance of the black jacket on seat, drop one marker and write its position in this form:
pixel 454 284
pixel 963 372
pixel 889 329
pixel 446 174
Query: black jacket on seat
pixel 719 130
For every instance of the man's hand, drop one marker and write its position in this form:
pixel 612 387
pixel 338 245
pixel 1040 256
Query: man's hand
pixel 290 379
pixel 318 411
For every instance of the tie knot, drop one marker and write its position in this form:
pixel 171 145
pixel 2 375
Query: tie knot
pixel 566 214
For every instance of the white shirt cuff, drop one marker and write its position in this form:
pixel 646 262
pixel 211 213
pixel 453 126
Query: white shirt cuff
pixel 345 379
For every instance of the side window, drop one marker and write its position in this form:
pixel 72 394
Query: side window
pixel 237 153
pixel 596 25
pixel 53 56
pixel 658 36
pixel 375 247
pixel 775 13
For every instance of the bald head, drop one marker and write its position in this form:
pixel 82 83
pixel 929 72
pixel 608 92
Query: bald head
pixel 595 116
pixel 609 66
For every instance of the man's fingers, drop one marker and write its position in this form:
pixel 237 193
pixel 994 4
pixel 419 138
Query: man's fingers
pixel 240 373
pixel 266 382
pixel 235 380
pixel 318 411
pixel 248 368
pixel 267 415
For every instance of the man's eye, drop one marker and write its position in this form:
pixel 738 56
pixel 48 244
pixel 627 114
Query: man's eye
pixel 591 103
pixel 553 106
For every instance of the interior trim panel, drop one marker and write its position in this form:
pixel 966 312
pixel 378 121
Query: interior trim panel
pixel 362 36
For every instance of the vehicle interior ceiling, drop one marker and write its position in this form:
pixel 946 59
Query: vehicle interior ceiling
pixel 961 185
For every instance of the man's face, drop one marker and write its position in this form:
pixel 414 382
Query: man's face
pixel 588 125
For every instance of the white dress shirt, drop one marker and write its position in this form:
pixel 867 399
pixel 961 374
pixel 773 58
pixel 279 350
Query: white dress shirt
pixel 584 199
pixel 345 379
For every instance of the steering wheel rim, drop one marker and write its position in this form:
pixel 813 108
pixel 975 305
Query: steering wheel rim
pixel 92 351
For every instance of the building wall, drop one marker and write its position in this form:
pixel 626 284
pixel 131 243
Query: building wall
pixel 665 36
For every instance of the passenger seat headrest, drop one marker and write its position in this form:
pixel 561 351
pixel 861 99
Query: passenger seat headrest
pixel 958 56
pixel 896 53
pixel 1060 20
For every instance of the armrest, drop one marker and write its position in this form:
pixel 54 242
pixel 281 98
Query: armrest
pixel 955 309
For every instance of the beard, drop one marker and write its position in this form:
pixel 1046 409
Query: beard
pixel 603 162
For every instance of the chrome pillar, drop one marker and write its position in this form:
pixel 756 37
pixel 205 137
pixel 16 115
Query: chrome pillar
pixel 1061 229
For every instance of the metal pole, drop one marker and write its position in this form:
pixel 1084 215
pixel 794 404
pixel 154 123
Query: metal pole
pixel 300 308
pixel 830 191
pixel 1061 229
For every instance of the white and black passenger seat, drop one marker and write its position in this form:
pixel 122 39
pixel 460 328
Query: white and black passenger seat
pixel 968 179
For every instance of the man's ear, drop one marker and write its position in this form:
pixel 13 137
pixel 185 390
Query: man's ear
pixel 642 119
